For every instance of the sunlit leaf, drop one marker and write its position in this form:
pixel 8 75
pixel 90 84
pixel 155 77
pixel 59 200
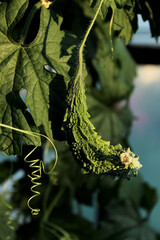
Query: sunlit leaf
pixel 125 22
pixel 115 81
pixel 22 67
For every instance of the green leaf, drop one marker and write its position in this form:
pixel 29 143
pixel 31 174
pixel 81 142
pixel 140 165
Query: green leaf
pixel 126 223
pixel 150 197
pixel 132 190
pixel 150 11
pixel 74 181
pixel 76 225
pixel 114 4
pixel 125 21
pixel 122 3
pixel 110 124
pixel 116 82
pixel 10 14
pixel 7 229
pixel 22 67
pixel 104 9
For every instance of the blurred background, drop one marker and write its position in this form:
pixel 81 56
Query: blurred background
pixel 145 133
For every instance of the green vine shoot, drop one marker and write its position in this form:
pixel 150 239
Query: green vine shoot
pixel 91 152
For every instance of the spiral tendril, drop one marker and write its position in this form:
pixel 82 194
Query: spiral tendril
pixel 37 166
pixel 34 176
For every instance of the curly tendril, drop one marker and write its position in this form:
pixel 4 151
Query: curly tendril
pixel 35 176
pixel 37 165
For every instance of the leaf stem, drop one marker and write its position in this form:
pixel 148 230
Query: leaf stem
pixel 58 228
pixel 53 204
pixel 80 56
pixel 110 31
pixel 29 19
pixel 58 236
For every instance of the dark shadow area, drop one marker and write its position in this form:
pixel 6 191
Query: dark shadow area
pixel 15 102
pixel 57 98
pixel 145 54
pixel 17 105
pixel 18 29
pixel 57 87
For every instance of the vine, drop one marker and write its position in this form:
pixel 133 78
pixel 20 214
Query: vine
pixel 37 165
pixel 80 54
pixel 92 153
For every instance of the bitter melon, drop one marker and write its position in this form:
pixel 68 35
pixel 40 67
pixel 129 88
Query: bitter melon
pixel 92 153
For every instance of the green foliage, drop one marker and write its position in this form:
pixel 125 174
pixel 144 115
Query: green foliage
pixel 106 4
pixel 122 3
pixel 22 67
pixel 150 197
pixel 116 82
pixel 125 216
pixel 125 21
pixel 125 17
pixel 115 120
pixel 32 37
pixel 53 231
pixel 92 153
pixel 119 209
pixel 7 229
pixel 149 11
pixel 126 190
pixel 126 223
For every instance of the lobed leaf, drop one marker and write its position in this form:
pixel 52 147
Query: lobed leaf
pixel 126 223
pixel 116 82
pixel 109 123
pixel 125 21
pixel 22 67
pixel 106 4
pixel 150 11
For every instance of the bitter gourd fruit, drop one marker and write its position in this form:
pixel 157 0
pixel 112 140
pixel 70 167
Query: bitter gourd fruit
pixel 92 153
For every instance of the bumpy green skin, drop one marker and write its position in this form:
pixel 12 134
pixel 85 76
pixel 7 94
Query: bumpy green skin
pixel 91 152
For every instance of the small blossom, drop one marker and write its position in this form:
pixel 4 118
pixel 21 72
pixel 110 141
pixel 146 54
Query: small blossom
pixel 46 3
pixel 135 163
pixel 125 158
pixel 130 161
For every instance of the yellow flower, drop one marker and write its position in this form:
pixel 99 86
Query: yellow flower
pixel 46 3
